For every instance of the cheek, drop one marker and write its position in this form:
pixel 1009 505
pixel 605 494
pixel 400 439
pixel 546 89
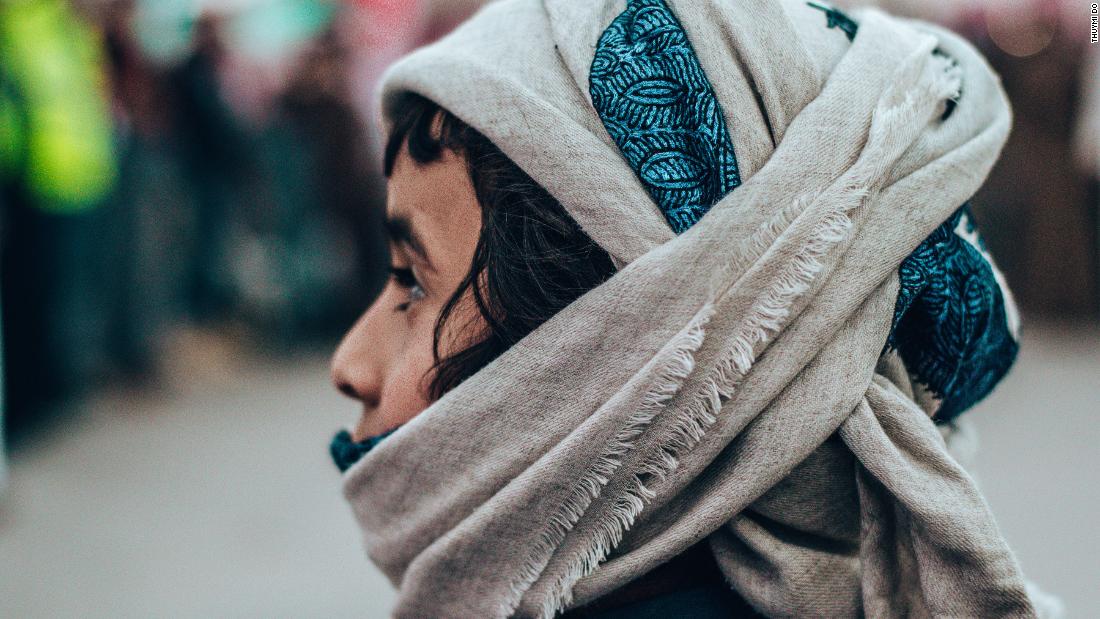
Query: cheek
pixel 405 393
pixel 405 388
pixel 464 327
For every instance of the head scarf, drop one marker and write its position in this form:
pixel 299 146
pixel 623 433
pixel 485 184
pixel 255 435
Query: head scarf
pixel 729 382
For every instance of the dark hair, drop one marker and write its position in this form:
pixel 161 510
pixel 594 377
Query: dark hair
pixel 532 259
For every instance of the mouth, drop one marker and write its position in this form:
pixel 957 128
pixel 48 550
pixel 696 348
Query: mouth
pixel 346 451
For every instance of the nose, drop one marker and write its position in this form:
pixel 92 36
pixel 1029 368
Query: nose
pixel 355 371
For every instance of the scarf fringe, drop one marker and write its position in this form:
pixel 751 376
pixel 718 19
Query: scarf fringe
pixel 670 376
pixel 763 319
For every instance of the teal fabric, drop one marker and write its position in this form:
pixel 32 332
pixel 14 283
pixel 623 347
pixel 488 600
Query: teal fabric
pixel 950 322
pixel 655 101
pixel 835 18
pixel 346 452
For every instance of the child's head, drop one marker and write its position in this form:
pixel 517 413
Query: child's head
pixel 481 255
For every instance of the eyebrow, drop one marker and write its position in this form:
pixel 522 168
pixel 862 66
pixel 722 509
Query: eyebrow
pixel 399 231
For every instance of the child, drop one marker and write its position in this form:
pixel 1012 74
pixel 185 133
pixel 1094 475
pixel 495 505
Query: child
pixel 678 290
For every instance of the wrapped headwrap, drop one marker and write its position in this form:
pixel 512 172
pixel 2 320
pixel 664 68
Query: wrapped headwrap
pixel 759 173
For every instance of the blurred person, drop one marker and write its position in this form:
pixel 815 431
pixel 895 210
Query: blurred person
pixel 1086 147
pixel 683 313
pixel 322 210
pixel 144 239
pixel 214 154
pixel 3 437
pixel 1087 132
pixel 57 167
pixel 378 32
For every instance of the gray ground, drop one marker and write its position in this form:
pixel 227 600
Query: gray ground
pixel 219 499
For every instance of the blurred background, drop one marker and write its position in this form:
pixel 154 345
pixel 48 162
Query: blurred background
pixel 189 205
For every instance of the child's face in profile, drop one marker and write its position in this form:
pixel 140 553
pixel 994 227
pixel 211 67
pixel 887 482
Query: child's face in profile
pixel 433 221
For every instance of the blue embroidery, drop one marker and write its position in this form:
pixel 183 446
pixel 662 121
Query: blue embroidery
pixel 650 91
pixel 834 18
pixel 950 321
pixel 950 324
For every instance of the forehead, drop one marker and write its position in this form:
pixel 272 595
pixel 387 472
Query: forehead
pixel 439 202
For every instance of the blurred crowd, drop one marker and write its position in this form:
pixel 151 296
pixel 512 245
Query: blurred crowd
pixel 176 165
pixel 179 166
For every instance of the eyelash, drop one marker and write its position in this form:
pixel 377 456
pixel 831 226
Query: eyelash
pixel 404 278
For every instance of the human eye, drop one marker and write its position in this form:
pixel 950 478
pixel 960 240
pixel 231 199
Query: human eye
pixel 404 278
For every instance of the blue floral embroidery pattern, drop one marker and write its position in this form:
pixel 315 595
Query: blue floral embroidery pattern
pixel 650 91
pixel 950 323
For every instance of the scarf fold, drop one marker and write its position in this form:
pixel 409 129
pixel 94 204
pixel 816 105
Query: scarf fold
pixel 729 382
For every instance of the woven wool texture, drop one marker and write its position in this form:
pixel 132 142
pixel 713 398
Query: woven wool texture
pixel 727 383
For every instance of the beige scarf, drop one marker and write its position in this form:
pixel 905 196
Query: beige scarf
pixel 726 383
